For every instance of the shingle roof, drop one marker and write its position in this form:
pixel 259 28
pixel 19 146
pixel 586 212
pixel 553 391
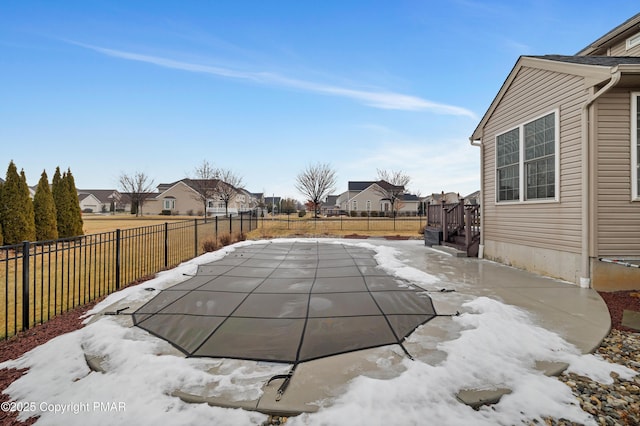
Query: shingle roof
pixel 362 185
pixel 104 195
pixel 605 61
pixel 627 27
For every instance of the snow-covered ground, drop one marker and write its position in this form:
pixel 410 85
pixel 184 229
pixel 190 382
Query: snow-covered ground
pixel 496 348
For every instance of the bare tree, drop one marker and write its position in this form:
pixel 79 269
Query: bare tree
pixel 391 186
pixel 316 182
pixel 205 182
pixel 228 186
pixel 139 187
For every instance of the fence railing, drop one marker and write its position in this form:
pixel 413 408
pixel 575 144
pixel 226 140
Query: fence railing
pixel 39 280
pixel 327 225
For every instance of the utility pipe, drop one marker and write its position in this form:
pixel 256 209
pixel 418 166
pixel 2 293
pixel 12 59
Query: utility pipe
pixel 478 143
pixel 585 278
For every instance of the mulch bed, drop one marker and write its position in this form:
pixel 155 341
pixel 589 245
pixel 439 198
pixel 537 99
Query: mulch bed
pixel 23 342
pixel 617 302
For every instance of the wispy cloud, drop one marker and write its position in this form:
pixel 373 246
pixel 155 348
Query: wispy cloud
pixel 375 99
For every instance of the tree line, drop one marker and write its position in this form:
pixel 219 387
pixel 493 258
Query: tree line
pixel 54 212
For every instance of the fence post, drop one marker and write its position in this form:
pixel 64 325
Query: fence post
pixel 117 259
pixel 166 244
pixel 195 237
pixel 25 284
pixel 241 223
pixel 230 224
pixel 216 228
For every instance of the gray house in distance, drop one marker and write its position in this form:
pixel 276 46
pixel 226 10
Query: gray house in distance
pixel 560 157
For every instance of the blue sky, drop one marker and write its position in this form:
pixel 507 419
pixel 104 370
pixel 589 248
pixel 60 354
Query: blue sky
pixel 265 88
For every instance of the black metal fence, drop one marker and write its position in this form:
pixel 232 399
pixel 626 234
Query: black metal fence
pixel 327 225
pixel 46 278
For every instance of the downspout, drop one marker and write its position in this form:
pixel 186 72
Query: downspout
pixel 478 143
pixel 585 278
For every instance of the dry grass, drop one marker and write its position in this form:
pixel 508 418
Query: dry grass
pixel 337 227
pixel 95 224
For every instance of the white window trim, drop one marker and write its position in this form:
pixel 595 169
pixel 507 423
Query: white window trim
pixel 633 41
pixel 520 157
pixel 521 174
pixel 634 144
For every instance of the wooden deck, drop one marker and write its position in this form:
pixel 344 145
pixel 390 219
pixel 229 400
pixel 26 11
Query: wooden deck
pixel 454 225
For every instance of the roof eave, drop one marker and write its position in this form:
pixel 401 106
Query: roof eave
pixel 593 74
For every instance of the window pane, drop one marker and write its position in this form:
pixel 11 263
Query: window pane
pixel 508 148
pixel 508 183
pixel 539 158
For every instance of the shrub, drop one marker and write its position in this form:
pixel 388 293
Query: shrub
pixel 210 244
pixel 226 239
pixel 165 213
pixel 364 214
pixel 189 212
pixel 374 214
pixel 242 236
pixel 353 213
pixel 302 213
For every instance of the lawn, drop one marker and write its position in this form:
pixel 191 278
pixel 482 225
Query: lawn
pixel 95 224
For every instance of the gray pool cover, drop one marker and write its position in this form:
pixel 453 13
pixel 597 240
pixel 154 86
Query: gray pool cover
pixel 286 302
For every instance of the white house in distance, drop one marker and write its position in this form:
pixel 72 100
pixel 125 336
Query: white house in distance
pixel 100 200
pixel 366 196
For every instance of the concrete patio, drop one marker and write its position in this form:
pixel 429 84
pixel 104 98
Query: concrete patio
pixel 578 315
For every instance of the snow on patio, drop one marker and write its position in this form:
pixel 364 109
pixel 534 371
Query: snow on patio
pixel 494 346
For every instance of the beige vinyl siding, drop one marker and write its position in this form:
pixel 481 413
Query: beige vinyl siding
pixel 185 201
pixel 618 218
pixel 620 49
pixel 553 225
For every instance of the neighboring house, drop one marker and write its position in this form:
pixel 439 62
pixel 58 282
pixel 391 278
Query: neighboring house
pixel 100 200
pixel 447 198
pixel 560 148
pixel 365 196
pixel 330 206
pixel 182 198
pixel 88 203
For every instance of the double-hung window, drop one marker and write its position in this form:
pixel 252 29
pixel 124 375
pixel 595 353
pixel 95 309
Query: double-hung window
pixel 508 162
pixel 526 161
pixel 635 146
pixel 539 158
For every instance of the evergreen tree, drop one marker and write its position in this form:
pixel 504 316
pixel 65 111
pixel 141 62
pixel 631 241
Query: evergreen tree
pixel 74 205
pixel 59 191
pixel 45 211
pixel 16 208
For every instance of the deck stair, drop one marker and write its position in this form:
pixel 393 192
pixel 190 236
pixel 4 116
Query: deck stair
pixel 456 226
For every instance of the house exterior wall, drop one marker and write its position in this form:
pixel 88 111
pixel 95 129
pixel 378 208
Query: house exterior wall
pixel 620 49
pixel 540 236
pixel 185 201
pixel 346 200
pixel 90 203
pixel 617 225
